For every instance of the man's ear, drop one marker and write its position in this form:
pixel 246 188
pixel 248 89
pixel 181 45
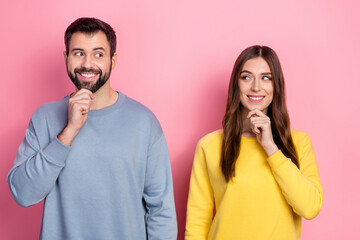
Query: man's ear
pixel 113 60
pixel 65 56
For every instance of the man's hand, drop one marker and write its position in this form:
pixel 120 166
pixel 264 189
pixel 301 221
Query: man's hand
pixel 79 106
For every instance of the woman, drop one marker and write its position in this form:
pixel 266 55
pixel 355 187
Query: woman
pixel 261 176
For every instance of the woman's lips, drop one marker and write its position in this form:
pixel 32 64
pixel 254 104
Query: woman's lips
pixel 255 98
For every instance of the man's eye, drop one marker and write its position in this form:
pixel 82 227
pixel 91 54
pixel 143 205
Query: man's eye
pixel 78 54
pixel 98 55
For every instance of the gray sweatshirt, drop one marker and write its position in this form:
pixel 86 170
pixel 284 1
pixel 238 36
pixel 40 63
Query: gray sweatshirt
pixel 114 182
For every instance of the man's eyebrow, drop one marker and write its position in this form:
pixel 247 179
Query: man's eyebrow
pixel 81 49
pixel 77 49
pixel 99 48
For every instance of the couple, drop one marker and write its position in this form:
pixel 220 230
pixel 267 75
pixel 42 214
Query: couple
pixel 100 160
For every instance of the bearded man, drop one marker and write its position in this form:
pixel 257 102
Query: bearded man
pixel 97 157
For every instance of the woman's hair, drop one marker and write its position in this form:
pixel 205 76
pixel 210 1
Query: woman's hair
pixel 277 112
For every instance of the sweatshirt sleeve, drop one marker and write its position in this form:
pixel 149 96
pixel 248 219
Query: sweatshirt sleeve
pixel 301 187
pixel 200 204
pixel 35 168
pixel 158 194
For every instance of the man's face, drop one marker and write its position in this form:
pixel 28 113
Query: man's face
pixel 88 63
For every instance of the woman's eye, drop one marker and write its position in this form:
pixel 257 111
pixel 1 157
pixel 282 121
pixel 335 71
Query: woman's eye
pixel 266 78
pixel 245 77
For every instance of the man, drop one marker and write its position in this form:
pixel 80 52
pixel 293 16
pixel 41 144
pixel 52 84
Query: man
pixel 97 157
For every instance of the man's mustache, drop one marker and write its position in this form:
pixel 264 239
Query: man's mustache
pixel 92 70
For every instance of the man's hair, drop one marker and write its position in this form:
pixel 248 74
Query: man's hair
pixel 91 26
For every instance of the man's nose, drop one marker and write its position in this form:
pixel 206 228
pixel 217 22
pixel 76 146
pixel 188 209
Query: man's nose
pixel 87 62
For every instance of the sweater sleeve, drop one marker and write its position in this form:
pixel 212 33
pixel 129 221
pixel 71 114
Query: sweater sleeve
pixel 301 187
pixel 158 194
pixel 200 204
pixel 35 168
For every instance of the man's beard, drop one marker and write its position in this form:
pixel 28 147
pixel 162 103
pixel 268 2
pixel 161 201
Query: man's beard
pixel 93 87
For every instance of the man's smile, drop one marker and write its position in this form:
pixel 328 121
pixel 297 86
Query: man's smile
pixel 87 76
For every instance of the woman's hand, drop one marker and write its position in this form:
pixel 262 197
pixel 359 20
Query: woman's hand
pixel 261 126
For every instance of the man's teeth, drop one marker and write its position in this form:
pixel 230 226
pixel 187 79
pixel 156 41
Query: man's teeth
pixel 256 98
pixel 88 75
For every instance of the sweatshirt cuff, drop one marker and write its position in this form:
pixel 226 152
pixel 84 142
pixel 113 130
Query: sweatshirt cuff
pixel 56 152
pixel 277 159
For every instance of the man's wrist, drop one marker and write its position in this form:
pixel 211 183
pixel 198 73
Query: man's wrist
pixel 67 135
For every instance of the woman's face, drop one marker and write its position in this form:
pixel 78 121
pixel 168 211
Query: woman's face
pixel 256 85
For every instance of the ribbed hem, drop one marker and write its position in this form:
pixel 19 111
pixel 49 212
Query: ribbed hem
pixel 106 110
pixel 56 152
pixel 277 159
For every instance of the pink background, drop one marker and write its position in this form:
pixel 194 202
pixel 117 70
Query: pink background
pixel 176 58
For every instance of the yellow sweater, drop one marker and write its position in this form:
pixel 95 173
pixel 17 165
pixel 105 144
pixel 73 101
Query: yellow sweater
pixel 265 200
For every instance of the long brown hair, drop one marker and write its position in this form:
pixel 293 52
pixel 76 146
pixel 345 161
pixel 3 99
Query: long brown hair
pixel 277 112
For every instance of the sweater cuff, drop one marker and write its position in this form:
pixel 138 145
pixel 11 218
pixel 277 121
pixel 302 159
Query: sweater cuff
pixel 277 159
pixel 56 152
